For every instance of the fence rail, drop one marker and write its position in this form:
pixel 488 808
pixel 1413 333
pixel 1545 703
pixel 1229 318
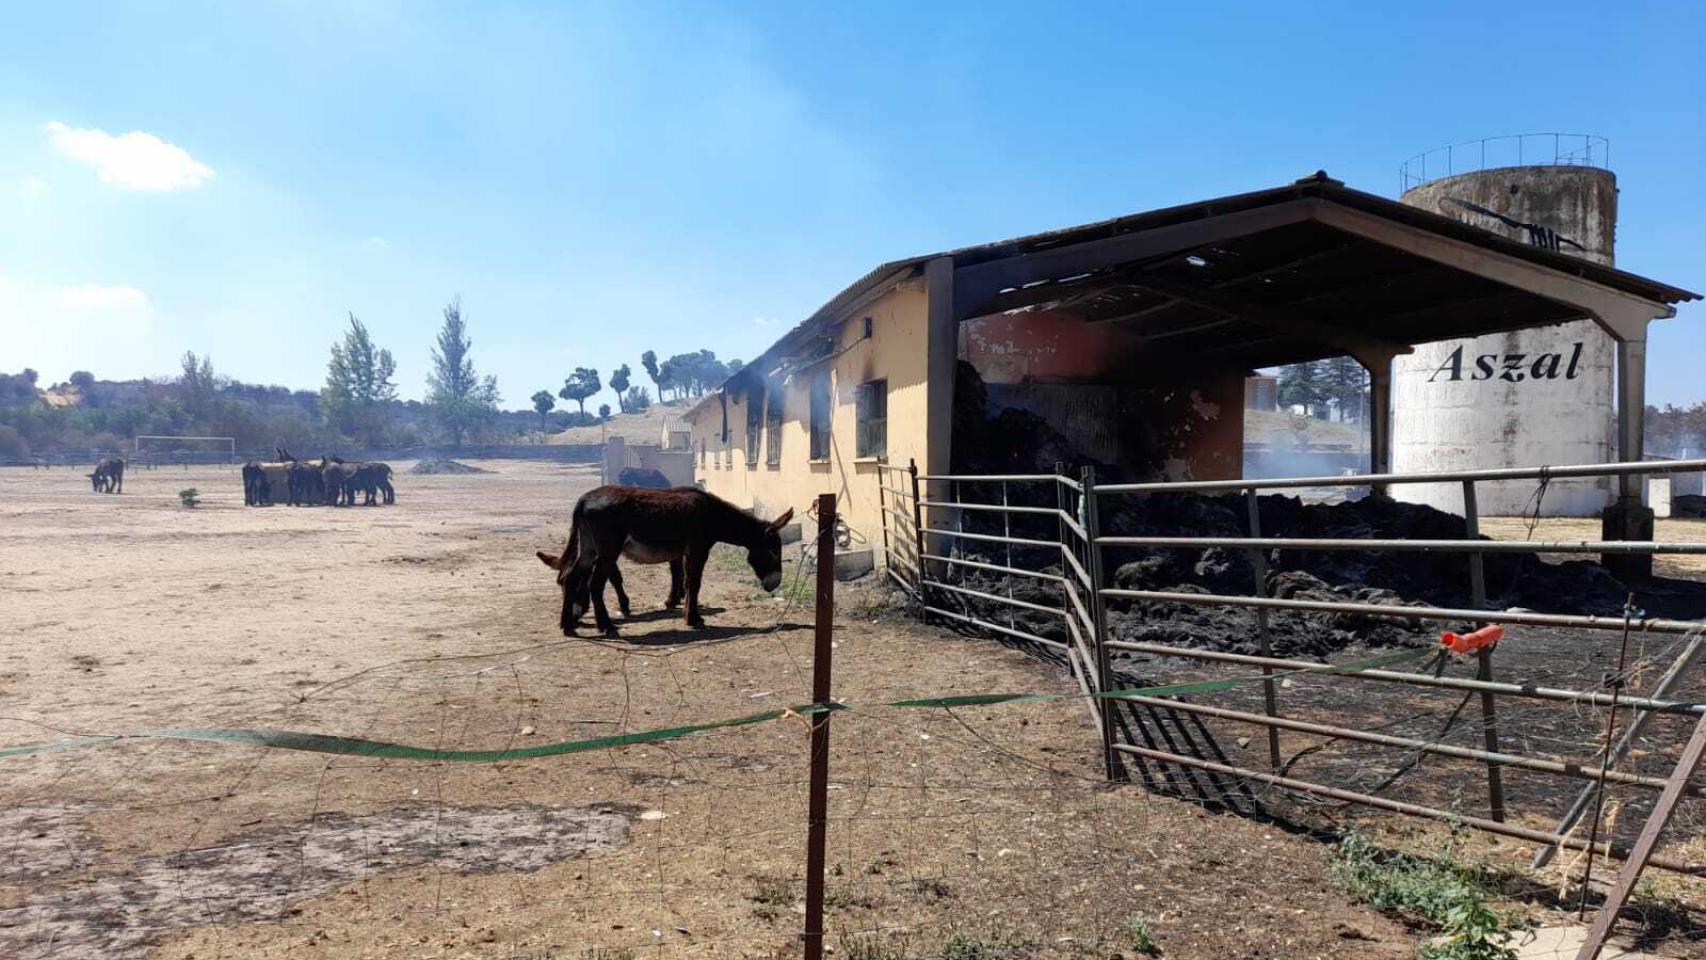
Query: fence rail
pixel 975 555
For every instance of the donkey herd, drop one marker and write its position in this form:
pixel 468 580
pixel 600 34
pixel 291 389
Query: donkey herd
pixel 330 481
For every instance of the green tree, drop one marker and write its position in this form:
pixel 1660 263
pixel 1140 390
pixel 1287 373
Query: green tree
pixel 604 411
pixel 358 385
pixel 197 384
pixel 580 385
pixel 543 402
pixel 649 360
pixel 619 383
pixel 637 400
pixel 460 400
pixel 1345 386
pixel 670 377
pixel 1304 385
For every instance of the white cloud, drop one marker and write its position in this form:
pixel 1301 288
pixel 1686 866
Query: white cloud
pixel 92 326
pixel 95 296
pixel 29 188
pixel 762 322
pixel 134 160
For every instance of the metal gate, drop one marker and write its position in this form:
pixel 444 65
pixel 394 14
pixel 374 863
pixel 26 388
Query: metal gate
pixel 1022 557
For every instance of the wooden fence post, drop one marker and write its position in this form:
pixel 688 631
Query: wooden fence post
pixel 817 814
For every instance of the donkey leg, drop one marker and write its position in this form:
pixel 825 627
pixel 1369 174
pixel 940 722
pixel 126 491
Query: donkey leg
pixel 695 571
pixel 675 588
pixel 600 614
pixel 621 595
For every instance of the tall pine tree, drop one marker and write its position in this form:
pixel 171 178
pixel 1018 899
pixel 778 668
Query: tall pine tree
pixel 460 400
pixel 358 385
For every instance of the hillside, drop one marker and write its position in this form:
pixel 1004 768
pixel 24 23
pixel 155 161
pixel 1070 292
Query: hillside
pixel 643 427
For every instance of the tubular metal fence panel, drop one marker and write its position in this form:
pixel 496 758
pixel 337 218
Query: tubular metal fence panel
pixel 1023 564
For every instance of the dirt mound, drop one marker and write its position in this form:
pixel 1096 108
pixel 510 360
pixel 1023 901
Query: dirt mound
pixel 442 465
pixel 641 477
pixel 1688 505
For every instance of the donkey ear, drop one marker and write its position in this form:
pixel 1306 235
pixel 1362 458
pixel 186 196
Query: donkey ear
pixel 555 563
pixel 782 520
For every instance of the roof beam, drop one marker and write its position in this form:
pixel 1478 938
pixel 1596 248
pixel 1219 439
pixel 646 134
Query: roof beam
pixel 1623 315
pixel 1277 319
pixel 976 285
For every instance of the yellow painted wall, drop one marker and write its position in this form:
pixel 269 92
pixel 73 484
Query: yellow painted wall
pixel 896 350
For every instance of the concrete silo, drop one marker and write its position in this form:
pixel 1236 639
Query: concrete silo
pixel 1528 398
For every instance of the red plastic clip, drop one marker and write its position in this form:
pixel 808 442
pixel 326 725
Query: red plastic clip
pixel 1474 640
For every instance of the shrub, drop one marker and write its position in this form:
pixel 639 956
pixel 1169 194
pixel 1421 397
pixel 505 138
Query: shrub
pixel 1142 938
pixel 189 496
pixel 13 446
pixel 1449 894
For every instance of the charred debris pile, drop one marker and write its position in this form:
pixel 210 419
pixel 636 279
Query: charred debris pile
pixel 1014 441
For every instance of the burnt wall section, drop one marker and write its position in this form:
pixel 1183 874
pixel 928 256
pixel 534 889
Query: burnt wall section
pixel 1129 431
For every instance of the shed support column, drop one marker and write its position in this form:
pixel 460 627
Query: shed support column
pixel 942 357
pixel 1379 367
pixel 1628 518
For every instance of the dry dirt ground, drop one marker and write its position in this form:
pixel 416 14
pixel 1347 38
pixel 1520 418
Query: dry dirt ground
pixel 431 623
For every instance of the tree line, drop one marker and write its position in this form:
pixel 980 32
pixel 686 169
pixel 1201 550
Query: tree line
pixel 681 377
pixel 358 403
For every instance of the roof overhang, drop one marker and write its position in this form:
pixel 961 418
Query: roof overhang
pixel 1300 272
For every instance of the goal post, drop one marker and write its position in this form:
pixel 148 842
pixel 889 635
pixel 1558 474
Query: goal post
pixel 172 449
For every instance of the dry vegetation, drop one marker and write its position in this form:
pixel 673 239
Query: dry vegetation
pixel 983 832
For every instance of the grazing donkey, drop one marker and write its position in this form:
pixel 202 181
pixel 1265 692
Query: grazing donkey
pixel 677 526
pixel 108 476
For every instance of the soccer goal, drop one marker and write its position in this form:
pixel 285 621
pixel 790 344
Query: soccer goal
pixel 166 449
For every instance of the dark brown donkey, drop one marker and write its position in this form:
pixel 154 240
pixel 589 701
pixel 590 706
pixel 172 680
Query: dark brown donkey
pixel 677 526
pixel 108 476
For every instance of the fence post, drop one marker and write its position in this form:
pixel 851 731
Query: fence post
pixel 1259 567
pixel 918 534
pixel 1102 682
pixel 1483 656
pixel 817 815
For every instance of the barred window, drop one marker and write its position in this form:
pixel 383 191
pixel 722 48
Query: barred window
pixel 821 408
pixel 871 405
pixel 754 425
pixel 773 427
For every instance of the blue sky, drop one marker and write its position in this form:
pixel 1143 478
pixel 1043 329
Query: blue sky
pixel 596 180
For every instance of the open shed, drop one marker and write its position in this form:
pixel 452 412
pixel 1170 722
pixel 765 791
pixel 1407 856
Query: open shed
pixel 1132 337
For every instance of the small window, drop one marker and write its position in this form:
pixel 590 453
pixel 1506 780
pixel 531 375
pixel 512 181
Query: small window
pixel 754 426
pixel 701 453
pixel 820 414
pixel 871 403
pixel 867 328
pixel 773 428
